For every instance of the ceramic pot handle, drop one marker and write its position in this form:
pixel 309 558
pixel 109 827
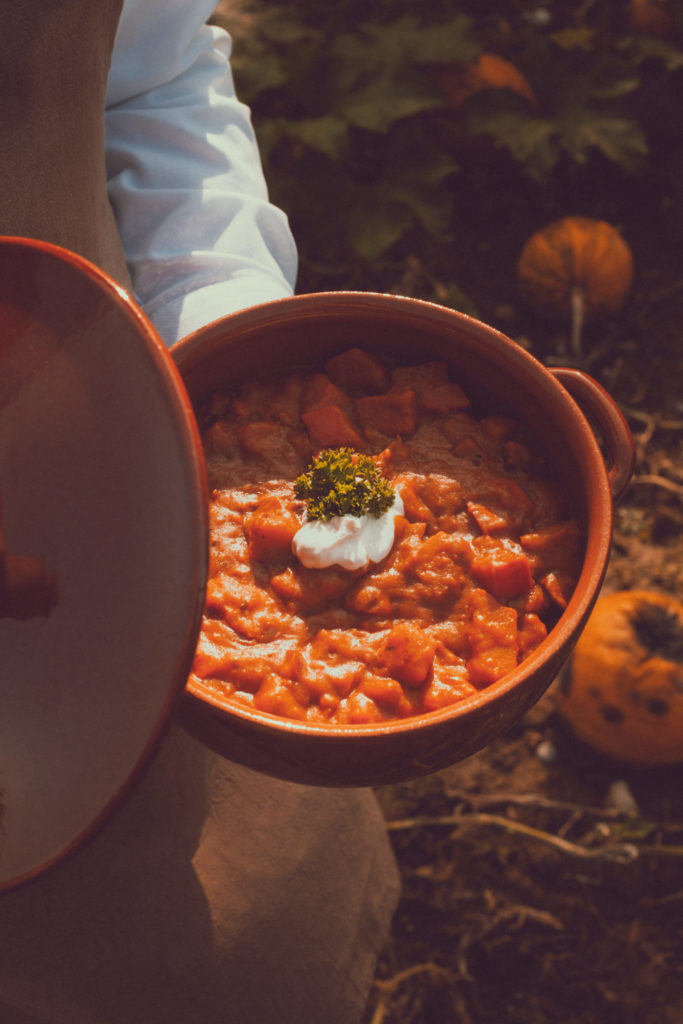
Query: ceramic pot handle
pixel 606 415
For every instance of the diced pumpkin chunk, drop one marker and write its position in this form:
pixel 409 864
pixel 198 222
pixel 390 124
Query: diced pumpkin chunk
pixel 440 561
pixel 408 653
pixel 269 530
pixel 248 609
pixel 442 494
pixel 357 371
pixel 320 391
pixel 390 414
pixel 415 509
pixel 559 587
pixel 275 697
pixel 501 569
pixel 487 519
pixel 384 691
pixel 489 665
pixel 221 655
pixel 309 590
pixel 435 392
pixel 361 709
pixel 498 428
pixel 210 654
pixel 530 632
pixel 444 398
pixel 492 635
pixel 329 427
pixel 458 425
pixel 447 687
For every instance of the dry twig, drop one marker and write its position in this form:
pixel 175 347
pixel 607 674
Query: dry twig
pixel 388 987
pixel 658 481
pixel 532 800
pixel 653 421
pixel 623 853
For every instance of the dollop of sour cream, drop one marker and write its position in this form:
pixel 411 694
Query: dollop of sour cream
pixel 351 542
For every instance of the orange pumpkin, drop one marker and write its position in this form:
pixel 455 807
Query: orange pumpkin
pixel 489 71
pixel 622 690
pixel 576 255
pixel 652 17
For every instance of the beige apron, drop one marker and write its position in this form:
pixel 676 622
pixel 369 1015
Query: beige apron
pixel 214 895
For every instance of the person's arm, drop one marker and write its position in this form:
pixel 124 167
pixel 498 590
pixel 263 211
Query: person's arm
pixel 185 180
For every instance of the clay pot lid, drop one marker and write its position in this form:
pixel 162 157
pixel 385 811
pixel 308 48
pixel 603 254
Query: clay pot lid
pixel 103 550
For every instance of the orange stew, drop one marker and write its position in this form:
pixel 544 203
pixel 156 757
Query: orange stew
pixel 484 557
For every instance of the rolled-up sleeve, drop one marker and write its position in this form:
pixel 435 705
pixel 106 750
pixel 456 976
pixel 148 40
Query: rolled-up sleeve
pixel 200 235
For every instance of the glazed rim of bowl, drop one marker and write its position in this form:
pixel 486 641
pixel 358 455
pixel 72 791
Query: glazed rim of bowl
pixel 201 347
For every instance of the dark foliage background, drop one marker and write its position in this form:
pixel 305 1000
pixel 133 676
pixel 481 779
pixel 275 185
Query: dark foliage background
pixel 389 187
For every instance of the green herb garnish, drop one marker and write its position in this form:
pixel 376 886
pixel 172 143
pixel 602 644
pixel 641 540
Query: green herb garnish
pixel 340 482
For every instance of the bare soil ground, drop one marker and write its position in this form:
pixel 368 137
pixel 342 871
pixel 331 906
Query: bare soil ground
pixel 543 883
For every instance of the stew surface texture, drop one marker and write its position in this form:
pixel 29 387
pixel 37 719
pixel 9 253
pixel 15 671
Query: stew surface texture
pixel 484 558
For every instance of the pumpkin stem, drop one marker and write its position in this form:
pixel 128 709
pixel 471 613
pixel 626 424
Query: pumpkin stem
pixel 578 308
pixel 659 630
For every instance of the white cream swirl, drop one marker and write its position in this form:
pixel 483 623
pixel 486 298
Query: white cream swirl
pixel 351 542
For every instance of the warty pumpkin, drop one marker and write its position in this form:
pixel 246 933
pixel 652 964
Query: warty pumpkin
pixel 622 689
pixel 577 268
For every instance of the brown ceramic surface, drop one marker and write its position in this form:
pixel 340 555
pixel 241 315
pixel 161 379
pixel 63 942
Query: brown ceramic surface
pixel 103 545
pixel 301 333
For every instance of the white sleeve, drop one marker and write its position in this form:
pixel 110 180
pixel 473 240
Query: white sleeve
pixel 185 180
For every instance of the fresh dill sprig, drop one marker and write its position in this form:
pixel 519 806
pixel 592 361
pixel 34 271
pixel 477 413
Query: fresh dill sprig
pixel 341 482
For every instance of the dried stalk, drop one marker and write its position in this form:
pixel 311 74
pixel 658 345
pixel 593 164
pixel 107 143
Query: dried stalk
pixel 533 800
pixel 658 481
pixel 386 988
pixel 624 853
pixel 577 320
pixel 650 418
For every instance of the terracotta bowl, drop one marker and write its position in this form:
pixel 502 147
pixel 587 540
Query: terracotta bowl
pixel 103 542
pixel 301 333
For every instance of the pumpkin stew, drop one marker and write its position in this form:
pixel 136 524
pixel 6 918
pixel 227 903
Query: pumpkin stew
pixel 484 554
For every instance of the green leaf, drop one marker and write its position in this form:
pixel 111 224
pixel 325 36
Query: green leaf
pixel 605 80
pixel 416 176
pixel 270 131
pixel 639 49
pixel 376 75
pixel 254 77
pixel 619 138
pixel 373 225
pixel 409 40
pixel 376 107
pixel 579 37
pixel 615 88
pixel 530 139
pixel 328 135
pixel 453 296
pixel 280 25
pixel 432 209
